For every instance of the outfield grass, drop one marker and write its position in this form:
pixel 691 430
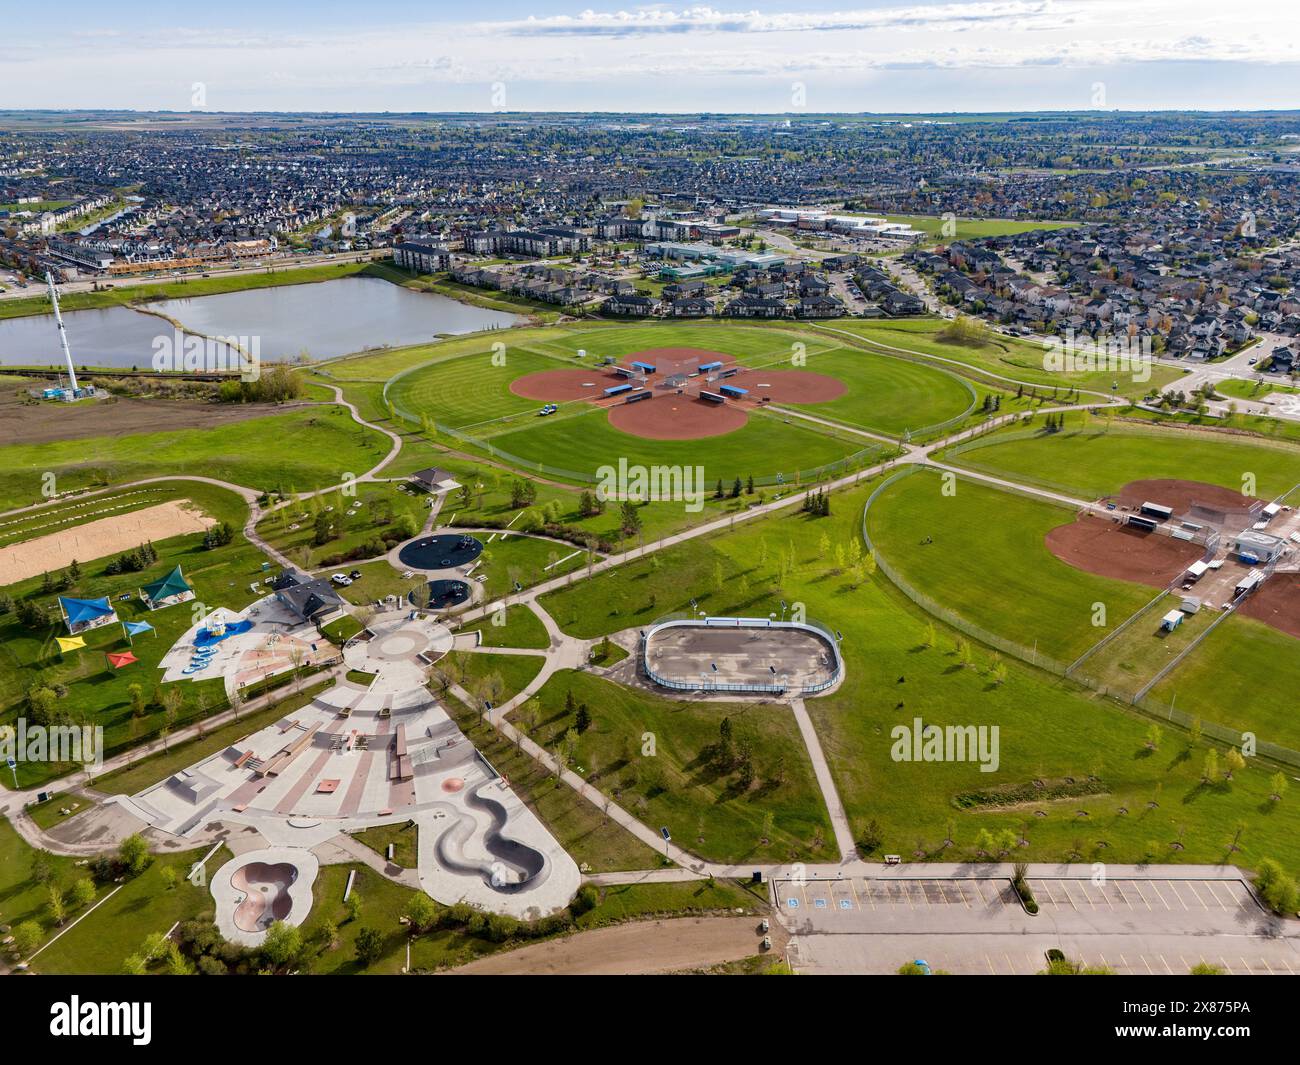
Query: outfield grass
pixel 1243 676
pixel 1049 729
pixel 766 446
pixel 305 449
pixel 1088 459
pixel 708 811
pixel 980 552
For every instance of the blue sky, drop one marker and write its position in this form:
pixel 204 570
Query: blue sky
pixel 748 56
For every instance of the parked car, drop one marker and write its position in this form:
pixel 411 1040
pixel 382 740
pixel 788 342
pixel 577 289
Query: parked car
pixel 355 575
pixel 341 579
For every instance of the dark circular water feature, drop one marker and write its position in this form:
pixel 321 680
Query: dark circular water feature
pixel 440 552
pixel 439 595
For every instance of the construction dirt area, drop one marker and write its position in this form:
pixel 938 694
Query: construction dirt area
pixel 41 422
pixel 99 538
pixel 665 946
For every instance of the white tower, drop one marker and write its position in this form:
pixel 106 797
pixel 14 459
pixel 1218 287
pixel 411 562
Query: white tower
pixel 63 333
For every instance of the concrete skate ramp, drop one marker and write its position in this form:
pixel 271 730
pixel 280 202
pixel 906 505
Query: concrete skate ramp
pixel 530 865
pixel 266 894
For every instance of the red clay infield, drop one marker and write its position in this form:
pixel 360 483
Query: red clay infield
pixel 1277 603
pixel 1185 496
pixel 790 386
pixel 560 386
pixel 674 417
pixel 1098 545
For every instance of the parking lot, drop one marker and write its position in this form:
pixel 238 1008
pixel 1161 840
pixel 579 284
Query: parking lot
pixel 978 925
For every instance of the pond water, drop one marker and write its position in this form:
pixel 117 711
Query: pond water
pixel 323 320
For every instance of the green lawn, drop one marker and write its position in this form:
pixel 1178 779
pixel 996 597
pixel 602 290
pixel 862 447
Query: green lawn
pixel 305 450
pixel 706 807
pixel 403 837
pixel 577 445
pixel 495 677
pixel 889 395
pixel 1237 388
pixel 1049 729
pixel 973 228
pixel 980 552
pixel 1093 461
pixel 142 906
pixel 522 628
pixel 1019 360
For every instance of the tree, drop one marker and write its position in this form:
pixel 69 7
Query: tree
pixel 1210 767
pixel 423 912
pixel 370 945
pixel 629 518
pixel 83 892
pixel 582 721
pixel 135 693
pixel 1277 785
pixel 1154 734
pixel 134 854
pixel 1235 762
pixel 282 945
pixel 42 867
pixel 353 906
pixel 55 905
pixel 27 937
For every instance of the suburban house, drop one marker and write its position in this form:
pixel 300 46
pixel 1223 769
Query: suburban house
pixel 311 598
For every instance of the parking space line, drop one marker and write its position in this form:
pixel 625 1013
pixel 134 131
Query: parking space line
pixel 1172 885
pixel 1191 886
pixel 1232 899
pixel 1168 967
pixel 1159 894
pixel 1142 894
pixel 989 961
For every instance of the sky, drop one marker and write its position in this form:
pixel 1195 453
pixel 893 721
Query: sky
pixel 764 56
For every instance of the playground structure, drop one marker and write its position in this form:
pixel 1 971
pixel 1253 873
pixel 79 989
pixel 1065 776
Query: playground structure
pixel 439 595
pixel 758 655
pixel 442 551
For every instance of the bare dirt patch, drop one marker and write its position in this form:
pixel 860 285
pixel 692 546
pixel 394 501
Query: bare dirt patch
pixel 1097 545
pixel 638 947
pixel 40 423
pixel 1277 603
pixel 100 538
pixel 677 417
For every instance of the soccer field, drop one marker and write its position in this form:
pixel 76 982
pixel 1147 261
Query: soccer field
pixel 981 553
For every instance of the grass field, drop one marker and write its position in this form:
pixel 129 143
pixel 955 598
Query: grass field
pixel 1237 388
pixel 971 228
pixel 305 449
pixel 493 677
pixel 984 558
pixel 1242 676
pixel 522 628
pixel 1093 461
pixel 1008 357
pixel 1049 729
pixel 780 817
